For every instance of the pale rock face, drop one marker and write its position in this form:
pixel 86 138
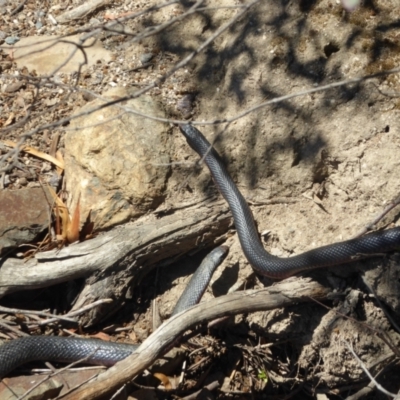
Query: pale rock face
pixel 111 160
pixel 48 54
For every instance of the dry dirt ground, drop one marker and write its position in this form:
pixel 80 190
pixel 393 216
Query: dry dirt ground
pixel 316 168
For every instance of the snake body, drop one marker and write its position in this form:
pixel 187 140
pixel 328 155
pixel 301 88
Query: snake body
pixel 263 262
pixel 20 351
pixel 99 352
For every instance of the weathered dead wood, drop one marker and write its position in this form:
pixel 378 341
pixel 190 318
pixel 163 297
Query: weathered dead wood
pixel 132 248
pixel 285 293
pixel 79 12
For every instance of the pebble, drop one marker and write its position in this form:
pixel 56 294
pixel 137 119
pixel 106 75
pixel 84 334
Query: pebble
pixel 23 181
pixel 146 57
pixel 52 19
pixel 12 39
pixel 54 180
pixel 13 87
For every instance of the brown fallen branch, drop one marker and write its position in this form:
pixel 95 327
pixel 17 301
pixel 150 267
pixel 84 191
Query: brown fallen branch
pixel 288 292
pixel 138 246
pixel 117 260
pixel 79 12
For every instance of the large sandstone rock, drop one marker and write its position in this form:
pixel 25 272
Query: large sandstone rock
pixel 45 54
pixel 111 163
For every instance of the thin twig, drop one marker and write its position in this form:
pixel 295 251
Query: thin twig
pixel 395 202
pixel 365 369
pixel 282 294
pixel 383 308
pixel 381 334
pixel 12 329
pixel 210 387
pixel 59 371
pixel 32 312
pixel 138 93
pixel 18 8
pixel 76 312
pixel 364 391
pixel 13 153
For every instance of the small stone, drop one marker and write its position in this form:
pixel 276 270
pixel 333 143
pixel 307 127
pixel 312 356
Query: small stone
pixel 146 58
pixel 46 167
pixel 88 96
pixel 7 180
pixel 54 180
pixel 12 40
pixel 52 19
pixel 13 87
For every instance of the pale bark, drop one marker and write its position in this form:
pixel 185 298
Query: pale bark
pixel 289 292
pixel 133 248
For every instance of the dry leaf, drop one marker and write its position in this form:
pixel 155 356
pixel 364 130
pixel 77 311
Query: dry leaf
pixel 60 158
pixel 111 17
pixel 72 330
pixel 132 336
pixel 61 212
pixel 58 227
pixel 52 102
pixel 164 379
pixel 20 102
pixel 73 226
pixel 102 336
pixel 87 228
pixel 10 119
pixel 36 153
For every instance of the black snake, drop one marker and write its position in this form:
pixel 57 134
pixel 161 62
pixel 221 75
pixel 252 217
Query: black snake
pixel 19 351
pixel 99 352
pixel 263 262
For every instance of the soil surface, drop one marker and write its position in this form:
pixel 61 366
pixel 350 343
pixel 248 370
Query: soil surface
pixel 316 167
